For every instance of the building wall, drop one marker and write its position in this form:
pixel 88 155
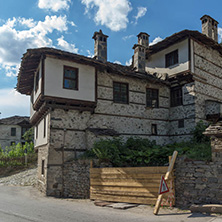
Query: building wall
pixel 208 86
pixel 5 135
pixel 184 112
pixel 40 139
pixel 54 80
pixel 36 93
pixel 156 62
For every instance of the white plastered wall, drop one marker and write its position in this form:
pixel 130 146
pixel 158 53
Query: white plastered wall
pixel 41 140
pixel 156 62
pixel 37 93
pixel 54 80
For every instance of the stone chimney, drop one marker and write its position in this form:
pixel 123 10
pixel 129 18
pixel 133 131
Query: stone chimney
pixel 139 58
pixel 100 46
pixel 209 27
pixel 143 39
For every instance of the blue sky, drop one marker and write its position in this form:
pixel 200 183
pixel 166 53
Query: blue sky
pixel 70 24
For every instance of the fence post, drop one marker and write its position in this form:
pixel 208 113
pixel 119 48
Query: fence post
pixel 170 168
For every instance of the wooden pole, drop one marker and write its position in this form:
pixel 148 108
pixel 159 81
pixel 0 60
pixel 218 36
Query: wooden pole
pixel 170 168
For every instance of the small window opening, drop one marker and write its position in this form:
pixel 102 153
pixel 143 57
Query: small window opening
pixel 154 129
pixel 43 166
pixel 181 123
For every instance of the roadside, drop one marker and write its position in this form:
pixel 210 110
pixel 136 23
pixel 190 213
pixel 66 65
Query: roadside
pixel 17 190
pixel 26 177
pixel 22 204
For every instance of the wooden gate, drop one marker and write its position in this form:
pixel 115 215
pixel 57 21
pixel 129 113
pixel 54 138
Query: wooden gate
pixel 128 184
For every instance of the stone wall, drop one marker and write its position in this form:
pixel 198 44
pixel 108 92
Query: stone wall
pixel 198 182
pixel 71 181
pixel 208 82
pixel 184 112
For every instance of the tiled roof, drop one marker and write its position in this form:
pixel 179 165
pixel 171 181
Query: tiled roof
pixel 31 59
pixel 15 120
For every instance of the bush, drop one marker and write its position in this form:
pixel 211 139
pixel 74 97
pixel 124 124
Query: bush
pixel 143 152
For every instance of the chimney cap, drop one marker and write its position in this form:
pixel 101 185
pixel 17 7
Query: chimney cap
pixel 204 16
pixel 143 33
pixel 99 33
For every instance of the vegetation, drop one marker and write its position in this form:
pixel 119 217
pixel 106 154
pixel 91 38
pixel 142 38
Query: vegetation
pixel 143 152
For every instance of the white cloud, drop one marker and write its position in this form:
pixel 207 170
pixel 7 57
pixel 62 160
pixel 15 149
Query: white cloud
pixel 90 55
pixel 14 42
pixel 129 63
pixel 117 62
pixel 67 46
pixel 111 13
pixel 54 5
pixel 13 103
pixel 128 37
pixel 141 12
pixel 156 40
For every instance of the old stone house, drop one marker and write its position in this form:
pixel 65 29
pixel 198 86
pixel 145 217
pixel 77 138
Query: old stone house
pixel 76 100
pixel 12 129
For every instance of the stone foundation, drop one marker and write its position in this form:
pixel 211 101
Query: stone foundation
pixel 198 182
pixel 71 181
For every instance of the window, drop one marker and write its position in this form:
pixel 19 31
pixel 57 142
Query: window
pixel 44 130
pixel 171 58
pixel 37 81
pixel 152 98
pixel 24 129
pixel 181 123
pixel 120 92
pixel 13 131
pixel 36 132
pixel 43 166
pixel 154 129
pixel 176 97
pixel 70 78
pixel 12 143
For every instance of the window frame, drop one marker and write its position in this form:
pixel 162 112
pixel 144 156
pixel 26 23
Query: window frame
pixel 174 100
pixel 37 81
pixel 154 129
pixel 13 131
pixel 69 78
pixel 152 98
pixel 181 123
pixel 116 93
pixel 174 55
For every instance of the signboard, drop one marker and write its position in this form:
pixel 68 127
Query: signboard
pixel 163 186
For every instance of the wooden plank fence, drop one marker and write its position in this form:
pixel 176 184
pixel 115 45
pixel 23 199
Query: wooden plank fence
pixel 127 184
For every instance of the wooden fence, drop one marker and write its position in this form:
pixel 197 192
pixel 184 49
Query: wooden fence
pixel 129 184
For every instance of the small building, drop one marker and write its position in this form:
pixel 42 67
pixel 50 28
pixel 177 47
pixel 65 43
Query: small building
pixel 12 130
pixel 76 100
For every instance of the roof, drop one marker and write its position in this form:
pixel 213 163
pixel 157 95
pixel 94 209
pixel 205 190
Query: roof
pixel 15 120
pixel 179 36
pixel 32 57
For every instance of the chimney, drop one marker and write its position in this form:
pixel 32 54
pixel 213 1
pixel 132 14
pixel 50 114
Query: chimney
pixel 209 27
pixel 100 46
pixel 139 58
pixel 143 39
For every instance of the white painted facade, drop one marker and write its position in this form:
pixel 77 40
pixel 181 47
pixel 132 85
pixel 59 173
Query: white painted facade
pixel 156 62
pixel 37 92
pixel 54 69
pixel 41 132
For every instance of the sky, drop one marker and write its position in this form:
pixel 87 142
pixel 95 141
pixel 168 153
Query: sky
pixel 69 25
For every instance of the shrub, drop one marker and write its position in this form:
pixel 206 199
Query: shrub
pixel 143 152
